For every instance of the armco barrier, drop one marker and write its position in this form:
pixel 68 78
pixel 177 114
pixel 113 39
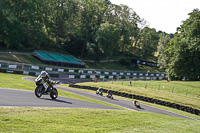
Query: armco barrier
pixel 146 99
pixel 98 73
pixel 54 75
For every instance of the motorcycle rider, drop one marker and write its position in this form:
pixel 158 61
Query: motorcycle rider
pixel 99 91
pixel 109 93
pixel 46 78
pixel 136 103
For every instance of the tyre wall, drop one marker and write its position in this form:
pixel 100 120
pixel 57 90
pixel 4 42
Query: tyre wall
pixel 143 98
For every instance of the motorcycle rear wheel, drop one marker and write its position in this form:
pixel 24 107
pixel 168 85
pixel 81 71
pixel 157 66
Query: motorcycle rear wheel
pixel 38 91
pixel 54 93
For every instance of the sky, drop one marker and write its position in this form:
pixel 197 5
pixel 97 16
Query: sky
pixel 164 15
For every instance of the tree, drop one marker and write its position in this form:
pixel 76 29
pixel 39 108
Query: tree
pixel 107 39
pixel 162 53
pixel 92 14
pixel 126 20
pixel 148 42
pixel 184 50
pixel 11 29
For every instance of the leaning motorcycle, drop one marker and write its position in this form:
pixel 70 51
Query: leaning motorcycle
pixel 109 96
pixel 137 104
pixel 42 89
pixel 99 93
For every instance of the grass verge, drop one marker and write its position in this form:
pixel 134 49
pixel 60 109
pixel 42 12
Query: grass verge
pixel 91 120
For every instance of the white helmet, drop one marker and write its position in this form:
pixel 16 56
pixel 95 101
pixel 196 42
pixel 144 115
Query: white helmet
pixel 43 74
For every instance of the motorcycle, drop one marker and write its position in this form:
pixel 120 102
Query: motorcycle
pixel 99 93
pixel 43 89
pixel 137 104
pixel 109 96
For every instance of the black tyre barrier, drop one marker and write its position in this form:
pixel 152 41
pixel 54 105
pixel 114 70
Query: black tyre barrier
pixel 114 92
pixel 2 70
pixel 150 100
pixel 133 96
pixel 147 99
pixel 104 90
pixel 18 72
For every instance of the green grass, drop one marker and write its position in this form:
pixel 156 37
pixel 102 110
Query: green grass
pixel 83 120
pixel 152 91
pixel 15 81
pixel 25 58
pixel 117 66
pixel 91 120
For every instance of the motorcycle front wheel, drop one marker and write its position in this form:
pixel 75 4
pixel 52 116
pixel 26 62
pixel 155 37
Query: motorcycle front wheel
pixel 38 91
pixel 54 93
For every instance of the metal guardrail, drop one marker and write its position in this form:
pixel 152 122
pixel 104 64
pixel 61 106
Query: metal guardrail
pixel 94 73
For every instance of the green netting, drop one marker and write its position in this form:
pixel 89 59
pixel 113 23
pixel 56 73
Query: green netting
pixel 59 58
pixel 71 59
pixel 45 56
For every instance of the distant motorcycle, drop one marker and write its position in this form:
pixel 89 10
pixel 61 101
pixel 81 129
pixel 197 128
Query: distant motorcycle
pixel 109 96
pixel 137 104
pixel 42 89
pixel 99 93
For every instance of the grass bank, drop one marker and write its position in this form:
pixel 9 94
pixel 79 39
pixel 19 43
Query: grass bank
pixel 21 58
pixel 117 66
pixel 91 120
pixel 152 90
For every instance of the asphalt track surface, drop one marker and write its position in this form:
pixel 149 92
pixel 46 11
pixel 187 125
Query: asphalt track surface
pixel 21 98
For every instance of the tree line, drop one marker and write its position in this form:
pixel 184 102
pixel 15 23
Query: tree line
pixel 98 29
pixel 85 28
pixel 181 54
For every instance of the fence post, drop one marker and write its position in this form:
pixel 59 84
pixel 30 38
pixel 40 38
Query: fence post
pixel 122 82
pixel 172 89
pixel 112 81
pixel 159 87
pixel 134 82
pixel 186 92
pixel 103 80
pixel 145 86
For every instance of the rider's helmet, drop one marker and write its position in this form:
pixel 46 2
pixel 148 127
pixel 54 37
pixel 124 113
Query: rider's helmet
pixel 43 74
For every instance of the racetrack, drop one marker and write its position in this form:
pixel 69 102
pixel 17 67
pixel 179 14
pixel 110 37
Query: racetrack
pixel 119 102
pixel 23 98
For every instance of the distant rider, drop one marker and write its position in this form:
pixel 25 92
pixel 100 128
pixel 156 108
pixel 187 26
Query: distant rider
pixel 136 103
pixel 109 93
pixel 44 76
pixel 99 91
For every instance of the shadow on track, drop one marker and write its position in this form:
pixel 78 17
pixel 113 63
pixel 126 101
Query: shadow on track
pixel 56 100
